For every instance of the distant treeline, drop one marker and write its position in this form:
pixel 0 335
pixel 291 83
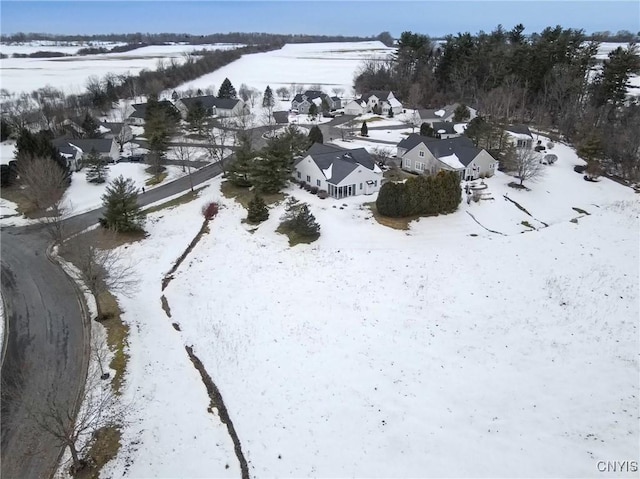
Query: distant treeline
pixel 116 49
pixel 39 54
pixel 154 38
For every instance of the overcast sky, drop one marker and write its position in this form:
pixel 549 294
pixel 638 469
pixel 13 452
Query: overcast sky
pixel 362 18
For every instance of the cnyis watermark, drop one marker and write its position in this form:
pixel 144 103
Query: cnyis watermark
pixel 617 466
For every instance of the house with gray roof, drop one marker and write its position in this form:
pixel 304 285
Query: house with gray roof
pixel 447 129
pixel 383 101
pixel 106 148
pixel 137 112
pixel 426 155
pixel 281 117
pixel 339 171
pixel 302 101
pixel 520 136
pixel 212 105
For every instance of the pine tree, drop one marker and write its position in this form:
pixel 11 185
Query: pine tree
pixel 461 113
pixel 304 223
pixel 313 110
pixel 90 127
pixel 196 117
pixel 122 212
pixel 267 99
pixel 364 131
pixel 391 113
pixel 161 121
pixel 174 96
pixel 270 172
pixel 239 171
pixel 97 168
pixel 257 211
pixel 427 130
pixel 227 90
pixel 315 135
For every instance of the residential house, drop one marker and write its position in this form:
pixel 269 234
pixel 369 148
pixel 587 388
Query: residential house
pixel 302 101
pixel 71 154
pixel 384 101
pixel 118 130
pixel 339 171
pixel 444 114
pixel 520 136
pixel 137 112
pixel 107 148
pixel 212 105
pixel 426 155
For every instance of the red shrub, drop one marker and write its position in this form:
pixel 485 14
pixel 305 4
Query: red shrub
pixel 210 210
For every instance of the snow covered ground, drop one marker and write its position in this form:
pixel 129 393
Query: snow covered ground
pixel 443 350
pixel 70 73
pixel 7 151
pixel 330 65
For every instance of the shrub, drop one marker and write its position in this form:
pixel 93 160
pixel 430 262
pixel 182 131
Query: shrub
pixel 550 145
pixel 314 190
pixel 257 211
pixel 307 187
pixel 539 148
pixel 303 184
pixel 579 168
pixel 322 194
pixel 210 210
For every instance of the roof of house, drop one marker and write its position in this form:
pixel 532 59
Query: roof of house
pixel 519 129
pixel 337 163
pixel 435 113
pixel 381 94
pixel 336 98
pixel 209 102
pixel 113 127
pixel 309 95
pixel 100 145
pixel 140 109
pixel 281 116
pixel 444 127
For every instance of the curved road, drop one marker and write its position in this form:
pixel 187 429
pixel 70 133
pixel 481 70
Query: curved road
pixel 45 340
pixel 46 349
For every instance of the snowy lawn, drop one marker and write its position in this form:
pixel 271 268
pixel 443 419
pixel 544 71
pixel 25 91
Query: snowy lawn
pixel 7 151
pixel 383 353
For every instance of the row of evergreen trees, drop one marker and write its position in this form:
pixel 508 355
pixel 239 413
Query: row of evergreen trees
pixel 420 196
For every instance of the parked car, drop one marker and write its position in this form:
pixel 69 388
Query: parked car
pixel 328 115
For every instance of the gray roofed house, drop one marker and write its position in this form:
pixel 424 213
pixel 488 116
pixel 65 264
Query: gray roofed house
pixel 445 129
pixel 302 101
pixel 444 114
pixel 120 131
pixel 107 148
pixel 339 171
pixel 520 136
pixel 422 154
pixel 213 106
pixel 138 112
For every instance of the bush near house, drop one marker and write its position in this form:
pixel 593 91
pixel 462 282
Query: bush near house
pixel 210 210
pixel 421 195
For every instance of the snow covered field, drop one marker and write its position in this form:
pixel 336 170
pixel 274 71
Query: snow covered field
pixel 330 65
pixel 443 350
pixel 70 73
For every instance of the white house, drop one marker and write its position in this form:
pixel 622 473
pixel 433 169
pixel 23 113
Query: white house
pixel 426 155
pixel 385 101
pixel 338 171
pixel 520 136
pixel 107 148
pixel 212 105
pixel 302 101
pixel 136 113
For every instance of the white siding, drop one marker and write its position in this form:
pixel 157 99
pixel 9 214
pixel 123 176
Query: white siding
pixel 362 175
pixel 308 168
pixel 485 165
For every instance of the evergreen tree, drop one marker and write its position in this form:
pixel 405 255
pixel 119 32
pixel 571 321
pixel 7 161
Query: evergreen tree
pixel 313 110
pixel 270 171
pixel 240 169
pixel 326 108
pixel 304 223
pixel 427 130
pixel 267 99
pixel 174 96
pixel 161 122
pixel 391 114
pixel 227 90
pixel 257 211
pixel 196 117
pixel 90 127
pixel 122 212
pixel 96 168
pixel 296 141
pixel 315 135
pixel 364 131
pixel 461 113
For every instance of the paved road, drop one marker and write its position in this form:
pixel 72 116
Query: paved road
pixel 45 338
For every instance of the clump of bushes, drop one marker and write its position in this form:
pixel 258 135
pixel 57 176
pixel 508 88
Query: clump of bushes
pixel 314 190
pixel 210 210
pixel 421 195
pixel 322 194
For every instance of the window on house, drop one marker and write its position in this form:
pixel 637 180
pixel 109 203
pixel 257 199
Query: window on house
pixel 318 182
pixel 360 185
pixel 375 182
pixel 422 154
pixel 407 163
pixel 308 178
pixel 419 166
pixel 299 175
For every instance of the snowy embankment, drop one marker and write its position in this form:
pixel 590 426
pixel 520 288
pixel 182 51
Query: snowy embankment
pixel 378 352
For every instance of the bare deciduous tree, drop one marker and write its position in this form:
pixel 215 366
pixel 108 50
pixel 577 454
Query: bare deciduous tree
pixel 184 154
pixel 103 271
pixel 54 220
pixel 43 181
pixel 217 141
pixel 525 163
pixel 381 155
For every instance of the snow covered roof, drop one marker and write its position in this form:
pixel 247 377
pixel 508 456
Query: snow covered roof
pixel 439 113
pixel 328 172
pixel 452 160
pixel 459 128
pixel 519 130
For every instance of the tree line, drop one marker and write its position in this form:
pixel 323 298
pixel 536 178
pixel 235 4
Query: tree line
pixel 548 79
